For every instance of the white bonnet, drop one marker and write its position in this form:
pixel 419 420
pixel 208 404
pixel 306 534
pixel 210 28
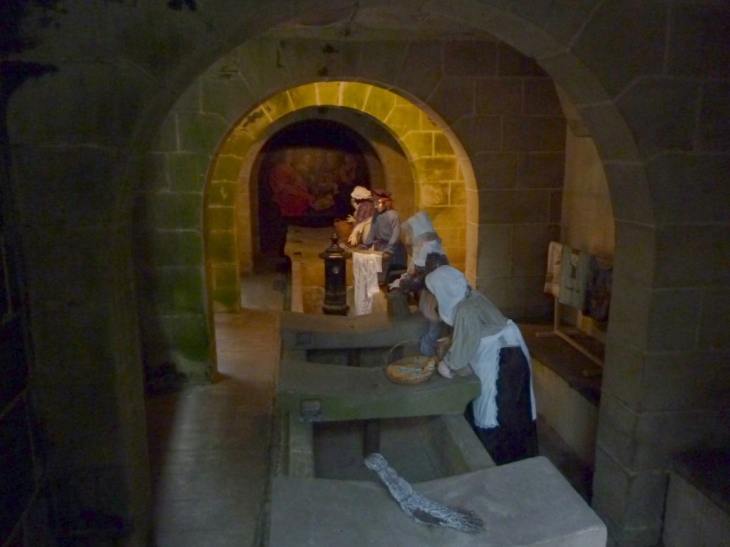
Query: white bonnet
pixel 360 192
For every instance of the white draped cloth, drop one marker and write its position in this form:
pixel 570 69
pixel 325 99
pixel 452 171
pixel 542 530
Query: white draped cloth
pixel 365 269
pixel 485 364
pixel 552 277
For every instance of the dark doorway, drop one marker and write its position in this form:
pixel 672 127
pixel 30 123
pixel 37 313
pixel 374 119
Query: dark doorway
pixel 305 176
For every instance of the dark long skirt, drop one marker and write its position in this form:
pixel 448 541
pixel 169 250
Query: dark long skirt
pixel 516 436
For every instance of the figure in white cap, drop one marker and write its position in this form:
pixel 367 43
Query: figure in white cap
pixel 364 210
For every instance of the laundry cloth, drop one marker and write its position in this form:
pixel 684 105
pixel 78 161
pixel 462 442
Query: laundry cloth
pixel 554 259
pixel 365 269
pixel 574 271
pixel 598 292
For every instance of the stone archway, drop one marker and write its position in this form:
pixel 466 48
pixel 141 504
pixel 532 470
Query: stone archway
pixel 571 46
pixel 650 80
pixel 440 173
pixel 496 140
pixel 382 160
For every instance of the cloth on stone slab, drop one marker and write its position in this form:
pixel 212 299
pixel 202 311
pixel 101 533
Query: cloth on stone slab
pixel 574 270
pixel 552 278
pixel 420 508
pixel 365 270
pixel 598 290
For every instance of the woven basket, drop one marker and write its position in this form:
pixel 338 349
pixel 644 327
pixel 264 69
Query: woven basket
pixel 409 371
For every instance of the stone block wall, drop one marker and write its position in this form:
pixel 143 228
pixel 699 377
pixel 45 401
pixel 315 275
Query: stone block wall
pixel 28 515
pixel 573 417
pixel 650 80
pixel 485 146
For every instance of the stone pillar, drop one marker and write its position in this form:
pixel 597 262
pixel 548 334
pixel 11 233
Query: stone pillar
pixel 666 377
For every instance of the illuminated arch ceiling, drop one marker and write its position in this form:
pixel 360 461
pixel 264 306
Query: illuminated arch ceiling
pixel 439 166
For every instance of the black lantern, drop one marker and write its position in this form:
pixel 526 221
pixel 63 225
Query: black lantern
pixel 335 278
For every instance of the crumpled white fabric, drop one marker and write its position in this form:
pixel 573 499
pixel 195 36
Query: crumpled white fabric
pixel 365 270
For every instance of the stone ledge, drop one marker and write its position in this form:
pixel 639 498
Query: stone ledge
pixel 523 504
pixel 334 392
pixel 302 331
pixel 580 373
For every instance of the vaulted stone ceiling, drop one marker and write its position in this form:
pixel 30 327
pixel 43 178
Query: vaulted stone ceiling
pixel 377 23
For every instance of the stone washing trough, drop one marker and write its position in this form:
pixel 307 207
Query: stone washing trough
pixel 332 412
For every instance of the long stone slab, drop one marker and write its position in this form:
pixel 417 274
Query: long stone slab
pixel 353 393
pixel 302 331
pixel 523 504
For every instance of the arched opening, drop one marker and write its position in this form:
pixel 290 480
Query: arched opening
pixel 502 282
pixel 424 166
pixel 649 81
pixel 304 176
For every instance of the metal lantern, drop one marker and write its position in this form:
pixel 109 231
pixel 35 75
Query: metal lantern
pixel 335 278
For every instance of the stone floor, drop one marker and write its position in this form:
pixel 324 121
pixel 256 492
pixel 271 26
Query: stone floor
pixel 209 445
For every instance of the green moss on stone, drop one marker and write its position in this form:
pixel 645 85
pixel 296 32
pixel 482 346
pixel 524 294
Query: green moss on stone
pixel 221 246
pixel 256 122
pixel 225 97
pixel 226 300
pixel 174 211
pixel 238 142
pixel 185 172
pixel 225 277
pixel 227 168
pixel 200 132
pixel 279 105
pixel 191 338
pixel 178 290
pixel 222 194
pixel 220 218
pixel 176 248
